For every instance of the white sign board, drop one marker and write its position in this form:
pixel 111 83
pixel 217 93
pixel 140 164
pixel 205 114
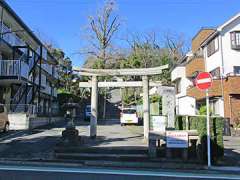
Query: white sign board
pixel 159 123
pixel 177 139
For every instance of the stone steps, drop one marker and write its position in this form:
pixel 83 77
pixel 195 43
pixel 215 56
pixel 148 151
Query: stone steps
pixel 103 150
pixel 105 157
pixel 102 153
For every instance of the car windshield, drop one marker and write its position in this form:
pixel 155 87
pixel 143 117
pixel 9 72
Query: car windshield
pixel 129 111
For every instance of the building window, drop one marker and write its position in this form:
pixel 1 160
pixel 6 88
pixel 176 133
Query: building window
pixel 212 47
pixel 178 86
pixel 215 73
pixel 235 40
pixel 236 69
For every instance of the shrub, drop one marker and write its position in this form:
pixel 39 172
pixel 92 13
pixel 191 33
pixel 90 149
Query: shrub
pixel 199 124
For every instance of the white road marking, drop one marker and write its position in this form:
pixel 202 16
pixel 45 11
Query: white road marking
pixel 10 135
pixel 120 172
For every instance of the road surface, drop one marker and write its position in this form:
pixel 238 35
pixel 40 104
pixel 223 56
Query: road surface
pixel 61 173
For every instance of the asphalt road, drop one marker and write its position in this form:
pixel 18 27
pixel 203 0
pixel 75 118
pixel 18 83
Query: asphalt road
pixel 61 173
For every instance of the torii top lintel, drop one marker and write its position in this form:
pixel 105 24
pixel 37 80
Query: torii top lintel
pixel 121 72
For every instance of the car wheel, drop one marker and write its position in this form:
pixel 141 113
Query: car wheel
pixel 122 124
pixel 6 128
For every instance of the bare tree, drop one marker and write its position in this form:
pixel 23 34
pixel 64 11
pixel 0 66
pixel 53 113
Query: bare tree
pixel 176 44
pixel 103 27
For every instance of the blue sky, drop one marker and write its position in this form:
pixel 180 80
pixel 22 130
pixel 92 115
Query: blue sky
pixel 62 22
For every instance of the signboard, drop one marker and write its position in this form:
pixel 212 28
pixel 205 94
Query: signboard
pixel 203 81
pixel 159 123
pixel 177 139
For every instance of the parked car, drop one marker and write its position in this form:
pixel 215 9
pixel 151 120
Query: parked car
pixel 128 116
pixel 4 123
pixel 87 113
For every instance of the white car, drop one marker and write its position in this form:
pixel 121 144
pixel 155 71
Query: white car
pixel 128 116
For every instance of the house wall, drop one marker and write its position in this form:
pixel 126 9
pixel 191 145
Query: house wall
pixel 234 108
pixel 225 57
pixel 230 56
pixel 184 105
pixel 214 61
pixel 199 38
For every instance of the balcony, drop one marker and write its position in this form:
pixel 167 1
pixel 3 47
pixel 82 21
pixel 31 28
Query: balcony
pixel 47 90
pixel 43 80
pixel 195 65
pixel 13 69
pixel 11 37
pixel 47 68
pixel 178 72
pixel 232 84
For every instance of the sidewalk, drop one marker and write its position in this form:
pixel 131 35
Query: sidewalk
pixel 231 151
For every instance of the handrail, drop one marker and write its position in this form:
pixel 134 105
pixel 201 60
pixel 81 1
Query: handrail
pixel 29 95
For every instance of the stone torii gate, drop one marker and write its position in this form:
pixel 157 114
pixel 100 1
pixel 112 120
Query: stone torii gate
pixel 144 73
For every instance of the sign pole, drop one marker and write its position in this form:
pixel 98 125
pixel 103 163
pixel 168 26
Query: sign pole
pixel 204 82
pixel 208 130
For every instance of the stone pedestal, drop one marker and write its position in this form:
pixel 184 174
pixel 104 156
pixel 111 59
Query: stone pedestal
pixel 152 148
pixel 70 137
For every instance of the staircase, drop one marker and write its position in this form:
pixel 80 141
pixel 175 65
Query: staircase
pixel 18 98
pixel 27 91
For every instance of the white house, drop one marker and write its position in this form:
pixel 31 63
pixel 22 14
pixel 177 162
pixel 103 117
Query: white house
pixel 216 51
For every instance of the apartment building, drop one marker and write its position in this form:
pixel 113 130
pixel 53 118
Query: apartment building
pixel 214 50
pixel 28 72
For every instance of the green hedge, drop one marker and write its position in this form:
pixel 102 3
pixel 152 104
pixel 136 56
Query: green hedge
pixel 199 124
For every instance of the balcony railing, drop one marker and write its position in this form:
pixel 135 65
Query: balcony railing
pixel 55 73
pixel 178 72
pixel 10 36
pixel 196 64
pixel 55 92
pixel 47 90
pixel 47 68
pixel 43 80
pixel 14 68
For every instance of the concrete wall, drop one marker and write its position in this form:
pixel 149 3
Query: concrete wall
pixel 20 121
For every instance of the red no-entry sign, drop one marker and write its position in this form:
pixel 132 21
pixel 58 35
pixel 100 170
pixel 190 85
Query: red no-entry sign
pixel 203 81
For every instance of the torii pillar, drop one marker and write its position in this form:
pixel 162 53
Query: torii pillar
pixel 146 113
pixel 94 108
